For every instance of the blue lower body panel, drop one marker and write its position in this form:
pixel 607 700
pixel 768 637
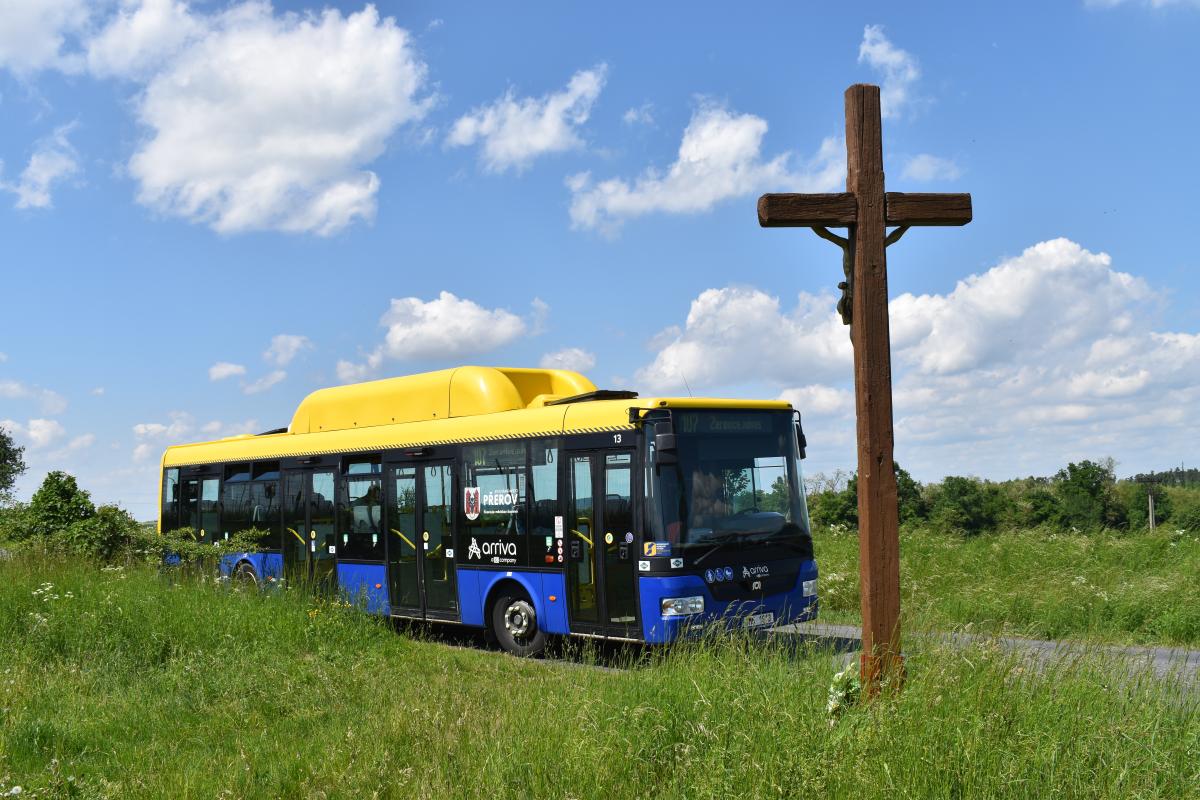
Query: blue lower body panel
pixel 365 585
pixel 790 606
pixel 547 590
pixel 268 567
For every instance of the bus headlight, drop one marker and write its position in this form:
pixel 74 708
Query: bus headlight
pixel 682 606
pixel 809 587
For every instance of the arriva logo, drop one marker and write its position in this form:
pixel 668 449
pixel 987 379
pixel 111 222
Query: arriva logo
pixel 477 551
pixel 757 571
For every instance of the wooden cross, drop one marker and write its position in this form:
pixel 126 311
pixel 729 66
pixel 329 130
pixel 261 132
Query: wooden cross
pixel 867 210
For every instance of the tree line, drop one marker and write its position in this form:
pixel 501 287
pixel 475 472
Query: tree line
pixel 1083 496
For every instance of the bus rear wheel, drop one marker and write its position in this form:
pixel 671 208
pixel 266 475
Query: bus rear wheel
pixel 514 624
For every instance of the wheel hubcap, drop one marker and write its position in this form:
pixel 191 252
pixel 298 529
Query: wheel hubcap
pixel 519 618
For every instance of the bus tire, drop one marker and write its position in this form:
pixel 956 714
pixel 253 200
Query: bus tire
pixel 243 576
pixel 514 624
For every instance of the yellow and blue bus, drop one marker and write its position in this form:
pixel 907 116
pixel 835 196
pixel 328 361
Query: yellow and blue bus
pixel 523 501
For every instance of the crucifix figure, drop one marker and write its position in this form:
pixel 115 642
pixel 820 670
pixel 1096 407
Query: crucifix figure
pixel 866 210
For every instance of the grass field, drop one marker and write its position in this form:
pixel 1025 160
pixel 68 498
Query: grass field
pixel 119 684
pixel 1142 588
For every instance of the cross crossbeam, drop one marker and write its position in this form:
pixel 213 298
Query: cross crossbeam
pixel 840 210
pixel 867 211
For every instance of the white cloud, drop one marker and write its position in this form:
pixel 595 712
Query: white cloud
pixel 34 33
pixel 265 382
pixel 898 68
pixel 1049 356
pixel 143 451
pixel 216 429
pixel 50 402
pixel 98 391
pixel 3 357
pixel 1050 299
pixel 53 160
pixel 82 442
pixel 516 130
pixel 820 400
pixel 141 37
pixel 181 425
pixel 152 437
pixel 36 433
pixel 349 372
pixel 573 358
pixel 447 327
pixel 639 115
pixel 285 347
pixel 267 121
pixel 926 167
pixel 720 157
pixel 739 334
pixel 224 369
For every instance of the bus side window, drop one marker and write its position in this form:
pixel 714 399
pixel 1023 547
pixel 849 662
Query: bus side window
pixel 169 514
pixel 544 504
pixel 495 483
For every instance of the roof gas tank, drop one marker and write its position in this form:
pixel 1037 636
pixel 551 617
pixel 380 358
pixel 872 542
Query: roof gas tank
pixel 458 392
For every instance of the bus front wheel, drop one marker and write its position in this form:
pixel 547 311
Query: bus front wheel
pixel 514 624
pixel 243 576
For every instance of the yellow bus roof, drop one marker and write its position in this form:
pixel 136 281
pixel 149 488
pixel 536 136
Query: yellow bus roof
pixel 465 404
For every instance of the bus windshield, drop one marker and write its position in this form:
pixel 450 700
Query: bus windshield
pixel 736 480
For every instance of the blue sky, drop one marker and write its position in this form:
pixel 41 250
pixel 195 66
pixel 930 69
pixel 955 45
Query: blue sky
pixel 209 210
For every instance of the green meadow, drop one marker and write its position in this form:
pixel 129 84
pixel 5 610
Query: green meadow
pixel 1104 586
pixel 121 683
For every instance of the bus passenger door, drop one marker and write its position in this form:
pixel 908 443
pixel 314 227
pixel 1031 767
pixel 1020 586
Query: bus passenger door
pixel 601 574
pixel 438 582
pixel 421 578
pixel 310 531
pixel 404 587
pixel 201 510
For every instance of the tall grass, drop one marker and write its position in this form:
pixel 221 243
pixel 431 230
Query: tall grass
pixel 119 684
pixel 1110 587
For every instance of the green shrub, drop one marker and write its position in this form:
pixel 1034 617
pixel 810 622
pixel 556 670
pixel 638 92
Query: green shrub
pixel 57 504
pixel 1085 491
pixel 16 523
pixel 1135 506
pixel 960 507
pixel 1185 511
pixel 106 535
pixel 183 549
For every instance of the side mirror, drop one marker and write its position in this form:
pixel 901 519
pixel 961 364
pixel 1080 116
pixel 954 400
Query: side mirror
pixel 664 444
pixel 801 442
pixel 664 437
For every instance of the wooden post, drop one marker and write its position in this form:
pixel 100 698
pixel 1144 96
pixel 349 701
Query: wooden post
pixel 878 515
pixel 866 210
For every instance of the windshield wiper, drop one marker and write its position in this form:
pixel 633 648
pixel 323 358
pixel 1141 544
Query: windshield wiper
pixel 718 542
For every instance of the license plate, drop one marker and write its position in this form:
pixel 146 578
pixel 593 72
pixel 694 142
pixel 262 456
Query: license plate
pixel 759 620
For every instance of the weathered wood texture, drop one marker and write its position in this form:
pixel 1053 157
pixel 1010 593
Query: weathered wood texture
pixel 927 209
pixel 867 210
pixel 806 210
pixel 878 523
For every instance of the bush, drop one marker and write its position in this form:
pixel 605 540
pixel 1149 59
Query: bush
pixel 1185 510
pixel 1086 493
pixel 959 506
pixel 16 523
pixel 106 535
pixel 1039 507
pixel 1135 506
pixel 840 507
pixel 57 504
